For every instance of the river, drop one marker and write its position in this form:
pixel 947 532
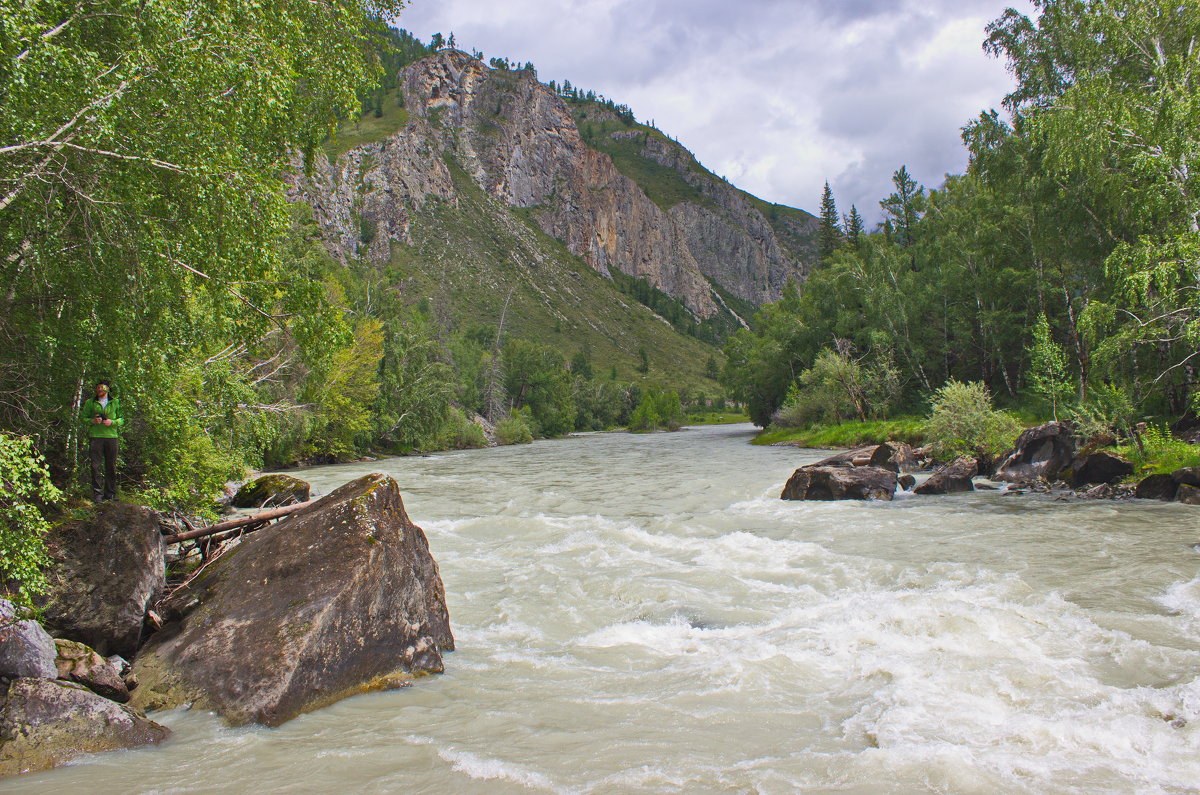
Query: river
pixel 641 613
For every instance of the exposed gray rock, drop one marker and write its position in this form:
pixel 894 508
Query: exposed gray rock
pixel 955 477
pixel 1040 452
pixel 1189 476
pixel 45 723
pixel 78 663
pixel 1100 467
pixel 520 143
pixel 25 648
pixel 840 483
pixel 271 490
pixel 106 572
pixel 1157 487
pixel 341 597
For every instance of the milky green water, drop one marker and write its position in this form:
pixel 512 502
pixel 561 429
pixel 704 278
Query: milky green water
pixel 643 614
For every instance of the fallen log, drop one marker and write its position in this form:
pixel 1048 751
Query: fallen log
pixel 220 527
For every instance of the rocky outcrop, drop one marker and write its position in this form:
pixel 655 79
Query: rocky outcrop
pixel 106 571
pixel 341 597
pixel 955 477
pixel 25 648
pixel 45 723
pixel 1039 453
pixel 78 663
pixel 520 143
pixel 840 483
pixel 1100 467
pixel 1156 487
pixel 271 490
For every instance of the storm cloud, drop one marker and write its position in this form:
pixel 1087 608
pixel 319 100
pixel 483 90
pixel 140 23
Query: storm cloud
pixel 776 95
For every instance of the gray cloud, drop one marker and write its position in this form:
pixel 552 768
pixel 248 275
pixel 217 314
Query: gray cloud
pixel 777 95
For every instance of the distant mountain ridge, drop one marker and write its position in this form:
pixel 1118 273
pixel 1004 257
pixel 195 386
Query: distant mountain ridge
pixel 607 198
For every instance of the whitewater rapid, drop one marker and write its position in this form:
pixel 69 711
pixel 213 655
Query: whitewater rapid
pixel 643 614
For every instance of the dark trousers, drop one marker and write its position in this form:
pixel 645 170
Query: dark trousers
pixel 104 451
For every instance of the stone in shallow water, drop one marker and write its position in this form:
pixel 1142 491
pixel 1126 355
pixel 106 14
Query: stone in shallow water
pixel 339 598
pixel 45 723
pixel 840 483
pixel 950 479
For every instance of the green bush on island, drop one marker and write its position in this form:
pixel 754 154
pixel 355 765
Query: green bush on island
pixel 963 422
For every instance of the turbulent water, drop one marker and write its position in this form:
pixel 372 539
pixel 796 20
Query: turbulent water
pixel 643 614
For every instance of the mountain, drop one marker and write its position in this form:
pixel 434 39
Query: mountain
pixel 471 184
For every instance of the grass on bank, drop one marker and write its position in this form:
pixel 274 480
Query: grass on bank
pixel 1160 453
pixel 716 418
pixel 853 433
pixel 368 128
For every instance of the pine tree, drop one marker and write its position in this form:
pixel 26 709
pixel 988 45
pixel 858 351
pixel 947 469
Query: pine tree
pixel 829 234
pixel 853 223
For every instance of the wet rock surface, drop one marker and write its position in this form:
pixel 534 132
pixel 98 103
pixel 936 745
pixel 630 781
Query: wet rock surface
pixel 341 597
pixel 840 483
pixel 271 490
pixel 45 723
pixel 956 477
pixel 106 571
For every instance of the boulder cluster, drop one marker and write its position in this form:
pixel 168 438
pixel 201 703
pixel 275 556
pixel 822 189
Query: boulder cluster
pixel 340 597
pixel 1045 457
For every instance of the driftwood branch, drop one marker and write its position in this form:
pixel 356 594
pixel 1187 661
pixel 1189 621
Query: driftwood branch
pixel 232 524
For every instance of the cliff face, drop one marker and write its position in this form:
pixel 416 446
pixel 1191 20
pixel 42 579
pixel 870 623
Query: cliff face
pixel 521 143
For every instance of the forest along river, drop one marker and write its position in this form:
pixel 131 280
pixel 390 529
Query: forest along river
pixel 643 613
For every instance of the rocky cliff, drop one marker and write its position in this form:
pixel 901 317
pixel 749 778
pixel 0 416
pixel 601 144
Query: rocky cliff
pixel 621 196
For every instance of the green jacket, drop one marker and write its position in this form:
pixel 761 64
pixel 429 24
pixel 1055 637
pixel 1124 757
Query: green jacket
pixel 96 430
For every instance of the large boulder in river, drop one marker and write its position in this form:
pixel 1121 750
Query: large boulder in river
pixel 1187 476
pixel 45 723
pixel 955 477
pixel 106 571
pixel 1188 495
pixel 25 648
pixel 1100 467
pixel 1039 453
pixel 840 483
pixel 341 597
pixel 1156 487
pixel 271 490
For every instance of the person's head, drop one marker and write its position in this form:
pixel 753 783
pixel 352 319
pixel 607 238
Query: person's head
pixel 102 388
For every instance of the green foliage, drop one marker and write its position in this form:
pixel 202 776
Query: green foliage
pixel 460 433
pixel 645 416
pixel 1048 375
pixel 1160 452
pixel 839 386
pixel 963 422
pixel 829 234
pixel 851 433
pixel 515 428
pixel 25 492
pixel 536 377
pixel 1107 410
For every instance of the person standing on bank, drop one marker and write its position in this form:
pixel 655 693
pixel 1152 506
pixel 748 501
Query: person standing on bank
pixel 102 418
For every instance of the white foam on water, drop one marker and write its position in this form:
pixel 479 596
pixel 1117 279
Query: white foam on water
pixel 484 769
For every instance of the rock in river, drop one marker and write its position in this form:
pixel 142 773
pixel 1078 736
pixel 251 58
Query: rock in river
pixel 341 597
pixel 44 723
pixel 950 479
pixel 271 490
pixel 840 483
pixel 1040 452
pixel 107 570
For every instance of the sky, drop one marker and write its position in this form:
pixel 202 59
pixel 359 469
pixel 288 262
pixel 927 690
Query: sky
pixel 778 96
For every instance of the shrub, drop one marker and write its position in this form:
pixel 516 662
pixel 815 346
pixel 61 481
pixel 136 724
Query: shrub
pixel 963 422
pixel 645 416
pixel 459 433
pixel 1108 410
pixel 24 486
pixel 514 429
pixel 1160 452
